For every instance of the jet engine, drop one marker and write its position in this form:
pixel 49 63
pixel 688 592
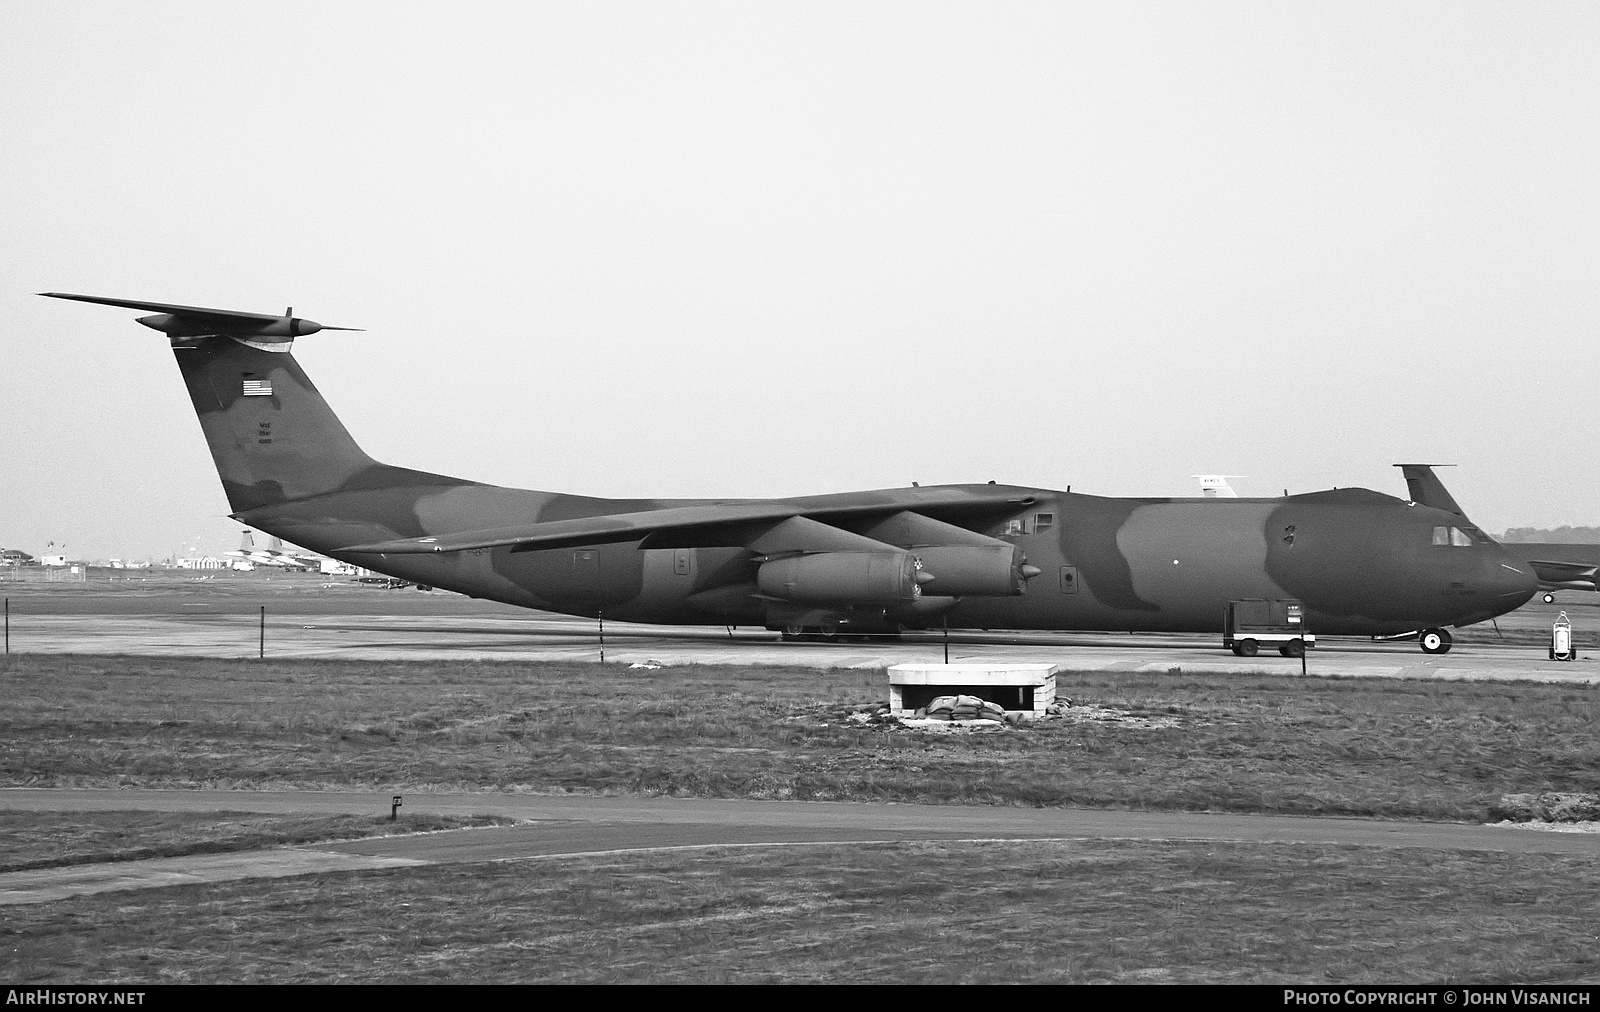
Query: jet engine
pixel 972 570
pixel 843 578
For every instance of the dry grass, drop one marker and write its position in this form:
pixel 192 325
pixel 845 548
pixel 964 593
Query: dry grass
pixel 54 839
pixel 1242 743
pixel 912 913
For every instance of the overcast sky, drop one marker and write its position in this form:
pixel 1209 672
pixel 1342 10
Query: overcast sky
pixel 713 249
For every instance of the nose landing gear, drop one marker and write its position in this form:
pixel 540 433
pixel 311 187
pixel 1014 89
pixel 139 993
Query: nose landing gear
pixel 1434 641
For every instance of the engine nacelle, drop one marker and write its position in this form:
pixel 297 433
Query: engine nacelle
pixel 972 570
pixel 842 578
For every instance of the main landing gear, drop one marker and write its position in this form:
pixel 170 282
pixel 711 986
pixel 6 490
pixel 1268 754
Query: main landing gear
pixel 1434 641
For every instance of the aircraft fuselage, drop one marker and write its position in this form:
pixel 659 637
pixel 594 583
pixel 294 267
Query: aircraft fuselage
pixel 1361 562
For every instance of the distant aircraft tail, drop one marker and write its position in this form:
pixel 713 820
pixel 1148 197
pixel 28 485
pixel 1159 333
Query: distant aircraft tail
pixel 272 436
pixel 1215 486
pixel 1426 488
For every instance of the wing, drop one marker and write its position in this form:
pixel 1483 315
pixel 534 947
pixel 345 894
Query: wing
pixel 705 524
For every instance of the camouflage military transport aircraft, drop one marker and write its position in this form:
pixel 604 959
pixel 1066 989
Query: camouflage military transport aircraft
pixel 966 556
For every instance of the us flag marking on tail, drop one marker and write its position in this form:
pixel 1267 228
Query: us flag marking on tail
pixel 258 388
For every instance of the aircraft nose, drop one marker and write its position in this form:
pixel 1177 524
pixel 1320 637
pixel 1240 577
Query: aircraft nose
pixel 1514 581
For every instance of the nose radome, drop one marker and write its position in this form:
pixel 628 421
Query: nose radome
pixel 1515 580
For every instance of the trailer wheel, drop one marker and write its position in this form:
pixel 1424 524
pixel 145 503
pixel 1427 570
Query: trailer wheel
pixel 1248 648
pixel 1293 648
pixel 1435 641
pixel 1236 651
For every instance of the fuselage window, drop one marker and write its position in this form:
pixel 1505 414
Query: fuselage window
pixel 1034 523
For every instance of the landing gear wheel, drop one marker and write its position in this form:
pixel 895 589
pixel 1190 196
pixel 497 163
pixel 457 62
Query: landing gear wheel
pixel 793 634
pixel 1293 648
pixel 1435 641
pixel 1248 648
pixel 1549 598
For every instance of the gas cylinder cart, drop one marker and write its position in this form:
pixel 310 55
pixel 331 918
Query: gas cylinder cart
pixel 1561 646
pixel 1249 623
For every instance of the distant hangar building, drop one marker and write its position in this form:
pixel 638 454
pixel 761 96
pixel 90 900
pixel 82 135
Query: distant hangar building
pixel 16 557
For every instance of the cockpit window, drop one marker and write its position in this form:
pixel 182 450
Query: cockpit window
pixel 1457 537
pixel 1441 535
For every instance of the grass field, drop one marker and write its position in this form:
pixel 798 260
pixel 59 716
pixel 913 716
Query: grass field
pixel 1240 743
pixel 913 913
pixel 1040 911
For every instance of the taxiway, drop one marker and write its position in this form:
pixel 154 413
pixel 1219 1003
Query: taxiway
pixel 566 826
pixel 531 636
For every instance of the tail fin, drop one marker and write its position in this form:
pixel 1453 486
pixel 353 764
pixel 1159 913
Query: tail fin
pixel 1426 488
pixel 1215 486
pixel 272 436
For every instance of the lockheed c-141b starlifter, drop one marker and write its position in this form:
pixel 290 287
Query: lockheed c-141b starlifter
pixel 962 556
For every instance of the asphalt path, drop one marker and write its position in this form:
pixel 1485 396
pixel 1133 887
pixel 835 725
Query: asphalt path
pixel 566 825
pixel 153 613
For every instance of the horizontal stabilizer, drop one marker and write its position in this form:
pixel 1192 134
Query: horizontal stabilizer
pixel 196 321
